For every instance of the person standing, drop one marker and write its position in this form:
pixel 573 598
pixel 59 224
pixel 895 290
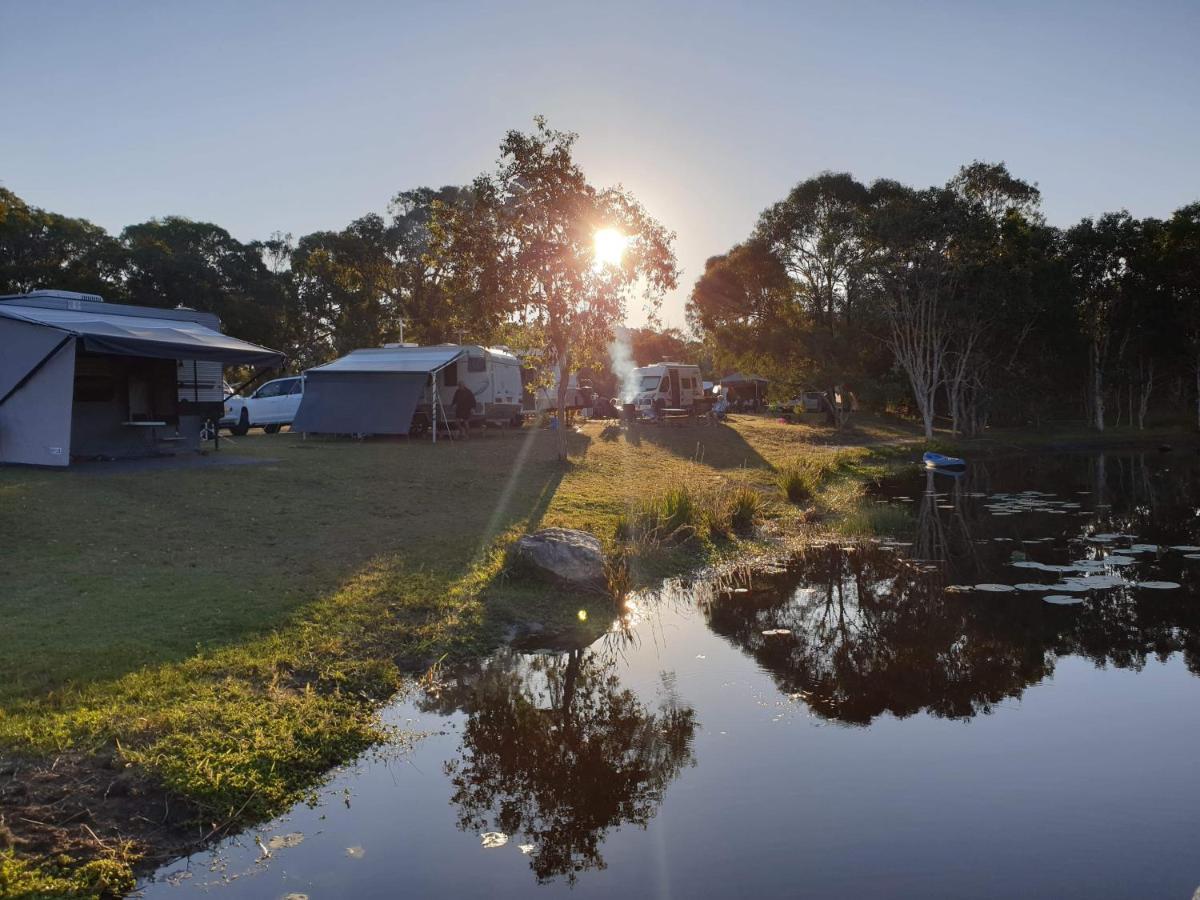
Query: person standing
pixel 464 406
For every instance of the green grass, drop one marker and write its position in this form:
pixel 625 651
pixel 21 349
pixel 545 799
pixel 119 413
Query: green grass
pixel 230 631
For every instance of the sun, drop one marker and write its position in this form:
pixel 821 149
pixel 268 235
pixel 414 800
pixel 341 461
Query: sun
pixel 610 247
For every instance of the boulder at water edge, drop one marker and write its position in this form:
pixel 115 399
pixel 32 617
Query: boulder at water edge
pixel 564 554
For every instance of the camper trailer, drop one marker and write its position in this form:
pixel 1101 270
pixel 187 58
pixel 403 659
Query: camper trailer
pixel 678 385
pixel 82 379
pixel 402 389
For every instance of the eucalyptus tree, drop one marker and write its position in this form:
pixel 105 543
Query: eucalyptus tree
pixel 175 260
pixel 527 245
pixel 910 236
pixel 816 233
pixel 41 249
pixel 1178 244
pixel 998 251
pixel 743 305
pixel 1098 253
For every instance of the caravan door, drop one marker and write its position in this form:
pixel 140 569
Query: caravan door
pixel 675 397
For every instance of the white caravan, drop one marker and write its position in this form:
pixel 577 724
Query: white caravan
pixel 494 376
pixel 678 385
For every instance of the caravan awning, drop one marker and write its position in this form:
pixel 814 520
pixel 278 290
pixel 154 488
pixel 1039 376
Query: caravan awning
pixel 417 360
pixel 142 336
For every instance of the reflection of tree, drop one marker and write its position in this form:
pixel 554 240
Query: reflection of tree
pixel 871 633
pixel 556 750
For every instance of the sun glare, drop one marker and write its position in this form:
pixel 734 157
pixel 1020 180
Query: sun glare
pixel 610 246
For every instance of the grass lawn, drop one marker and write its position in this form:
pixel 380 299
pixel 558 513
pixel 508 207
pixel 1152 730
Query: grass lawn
pixel 229 630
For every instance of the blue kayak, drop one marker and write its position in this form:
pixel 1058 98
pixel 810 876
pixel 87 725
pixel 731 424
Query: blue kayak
pixel 937 461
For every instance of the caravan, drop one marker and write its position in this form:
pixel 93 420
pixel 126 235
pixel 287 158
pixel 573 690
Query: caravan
pixel 677 385
pixel 403 389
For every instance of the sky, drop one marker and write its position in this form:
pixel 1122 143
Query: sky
pixel 295 117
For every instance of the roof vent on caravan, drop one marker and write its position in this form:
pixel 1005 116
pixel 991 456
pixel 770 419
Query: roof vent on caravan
pixel 62 295
pixel 396 345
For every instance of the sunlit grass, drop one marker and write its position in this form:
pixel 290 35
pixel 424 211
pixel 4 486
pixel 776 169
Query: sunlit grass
pixel 233 630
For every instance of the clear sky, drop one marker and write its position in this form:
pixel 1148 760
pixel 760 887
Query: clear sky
pixel 302 116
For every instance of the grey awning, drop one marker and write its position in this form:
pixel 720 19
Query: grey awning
pixel 143 336
pixel 360 402
pixel 738 378
pixel 392 359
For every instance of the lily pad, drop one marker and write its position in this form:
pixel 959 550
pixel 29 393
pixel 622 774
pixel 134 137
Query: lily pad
pixel 1062 599
pixel 995 588
pixel 773 632
pixel 1032 586
pixel 1159 585
pixel 493 839
pixel 1186 548
pixel 283 841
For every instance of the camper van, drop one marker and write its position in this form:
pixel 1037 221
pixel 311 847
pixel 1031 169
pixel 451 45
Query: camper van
pixel 679 385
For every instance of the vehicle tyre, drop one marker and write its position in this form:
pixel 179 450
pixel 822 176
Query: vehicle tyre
pixel 242 426
pixel 272 429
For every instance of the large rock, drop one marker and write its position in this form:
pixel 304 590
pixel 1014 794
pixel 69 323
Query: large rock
pixel 565 554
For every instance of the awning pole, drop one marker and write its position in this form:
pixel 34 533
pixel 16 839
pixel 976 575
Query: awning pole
pixel 433 402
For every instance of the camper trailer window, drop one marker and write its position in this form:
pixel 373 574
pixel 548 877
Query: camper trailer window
pixel 450 375
pixel 650 382
pixel 685 383
pixel 476 364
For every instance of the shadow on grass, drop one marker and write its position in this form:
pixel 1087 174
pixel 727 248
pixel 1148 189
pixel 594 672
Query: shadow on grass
pixel 156 567
pixel 719 446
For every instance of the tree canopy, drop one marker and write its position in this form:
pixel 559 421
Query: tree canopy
pixel 958 303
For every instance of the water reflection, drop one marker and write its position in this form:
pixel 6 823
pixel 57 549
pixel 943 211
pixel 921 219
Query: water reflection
pixel 557 752
pixel 871 629
pixel 867 632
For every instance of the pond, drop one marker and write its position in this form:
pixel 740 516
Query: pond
pixel 1001 701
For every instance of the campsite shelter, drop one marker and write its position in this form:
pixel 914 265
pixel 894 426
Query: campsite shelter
pixel 398 389
pixel 83 378
pixel 747 388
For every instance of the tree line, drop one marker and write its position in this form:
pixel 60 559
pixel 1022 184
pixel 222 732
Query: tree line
pixel 960 304
pixel 957 304
pixel 315 298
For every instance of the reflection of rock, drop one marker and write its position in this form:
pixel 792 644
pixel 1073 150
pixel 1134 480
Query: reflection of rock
pixel 563 553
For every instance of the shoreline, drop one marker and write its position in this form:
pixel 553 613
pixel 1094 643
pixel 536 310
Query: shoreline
pixel 346 689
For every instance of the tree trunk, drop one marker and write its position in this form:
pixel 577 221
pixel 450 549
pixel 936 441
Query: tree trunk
pixel 564 376
pixel 1097 389
pixel 1198 391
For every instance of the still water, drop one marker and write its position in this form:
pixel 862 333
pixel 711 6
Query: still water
pixel 866 721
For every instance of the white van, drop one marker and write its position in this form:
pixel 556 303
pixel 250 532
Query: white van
pixel 679 386
pixel 270 407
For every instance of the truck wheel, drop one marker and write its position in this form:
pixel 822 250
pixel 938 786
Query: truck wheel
pixel 242 426
pixel 271 429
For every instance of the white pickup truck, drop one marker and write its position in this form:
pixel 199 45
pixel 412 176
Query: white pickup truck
pixel 270 407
